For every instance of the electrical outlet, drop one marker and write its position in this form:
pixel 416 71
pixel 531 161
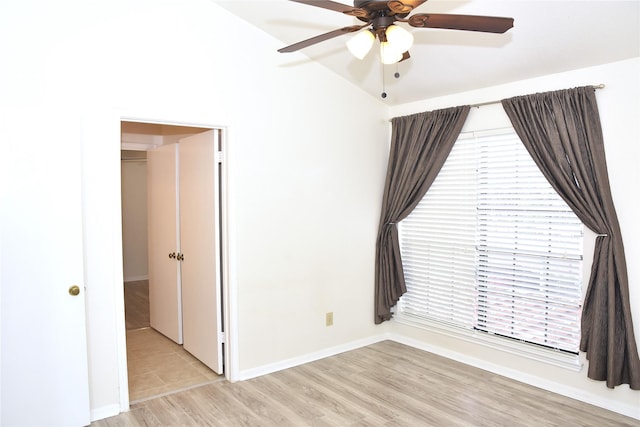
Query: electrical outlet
pixel 329 318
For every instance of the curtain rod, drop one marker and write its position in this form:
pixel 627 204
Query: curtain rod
pixel 600 86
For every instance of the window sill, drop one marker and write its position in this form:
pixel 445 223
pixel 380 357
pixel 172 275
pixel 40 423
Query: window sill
pixel 518 348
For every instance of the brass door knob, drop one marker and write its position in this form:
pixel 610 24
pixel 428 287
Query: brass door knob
pixel 74 290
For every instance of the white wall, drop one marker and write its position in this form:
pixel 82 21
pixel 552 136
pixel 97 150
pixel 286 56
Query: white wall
pixel 134 220
pixel 306 158
pixel 306 162
pixel 619 106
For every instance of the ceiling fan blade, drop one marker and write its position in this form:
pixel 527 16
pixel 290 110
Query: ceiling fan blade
pixel 335 6
pixel 321 38
pixel 486 24
pixel 405 56
pixel 404 6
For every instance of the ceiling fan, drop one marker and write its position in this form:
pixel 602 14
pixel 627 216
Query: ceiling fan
pixel 380 17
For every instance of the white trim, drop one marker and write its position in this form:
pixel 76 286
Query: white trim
pixel 105 412
pixel 118 288
pixel 311 357
pixel 229 303
pixel 229 283
pixel 124 117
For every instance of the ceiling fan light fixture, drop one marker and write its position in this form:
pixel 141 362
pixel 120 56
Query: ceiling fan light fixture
pixel 360 44
pixel 389 54
pixel 399 38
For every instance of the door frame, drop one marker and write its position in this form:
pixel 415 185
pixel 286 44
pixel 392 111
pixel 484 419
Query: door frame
pixel 229 299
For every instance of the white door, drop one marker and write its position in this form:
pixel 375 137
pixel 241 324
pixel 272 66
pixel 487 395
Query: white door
pixel 164 274
pixel 200 247
pixel 44 348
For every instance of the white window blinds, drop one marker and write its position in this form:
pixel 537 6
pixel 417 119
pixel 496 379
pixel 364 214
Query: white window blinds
pixel 493 248
pixel 438 244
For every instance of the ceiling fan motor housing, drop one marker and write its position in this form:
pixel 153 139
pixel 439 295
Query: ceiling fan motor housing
pixel 377 8
pixel 370 4
pixel 379 26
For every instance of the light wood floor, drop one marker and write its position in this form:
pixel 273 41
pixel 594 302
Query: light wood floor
pixel 385 384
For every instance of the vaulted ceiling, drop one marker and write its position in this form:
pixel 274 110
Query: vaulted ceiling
pixel 548 37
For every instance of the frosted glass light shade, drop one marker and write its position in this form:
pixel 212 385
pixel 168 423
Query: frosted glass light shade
pixel 388 53
pixel 360 44
pixel 399 38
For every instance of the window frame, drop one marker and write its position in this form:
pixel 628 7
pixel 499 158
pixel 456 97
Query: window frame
pixel 562 358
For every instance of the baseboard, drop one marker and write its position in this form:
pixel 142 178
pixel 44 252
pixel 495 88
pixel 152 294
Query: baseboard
pixel 571 392
pixel 136 278
pixel 104 412
pixel 311 357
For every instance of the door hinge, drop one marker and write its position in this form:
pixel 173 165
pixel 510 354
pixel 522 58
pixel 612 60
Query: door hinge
pixel 222 337
pixel 219 157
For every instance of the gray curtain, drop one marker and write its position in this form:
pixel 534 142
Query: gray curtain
pixel 562 132
pixel 420 144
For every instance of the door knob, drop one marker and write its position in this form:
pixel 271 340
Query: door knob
pixel 74 290
pixel 172 255
pixel 180 257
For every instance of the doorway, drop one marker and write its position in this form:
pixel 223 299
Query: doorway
pixel 156 364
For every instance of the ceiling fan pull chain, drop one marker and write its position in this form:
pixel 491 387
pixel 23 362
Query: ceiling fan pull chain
pixel 384 93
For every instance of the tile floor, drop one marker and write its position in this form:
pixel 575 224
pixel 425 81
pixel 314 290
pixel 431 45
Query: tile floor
pixel 136 304
pixel 158 366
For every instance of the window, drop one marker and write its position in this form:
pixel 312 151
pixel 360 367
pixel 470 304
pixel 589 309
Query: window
pixel 493 250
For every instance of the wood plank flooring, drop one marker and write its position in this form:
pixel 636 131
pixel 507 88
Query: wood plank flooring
pixel 385 384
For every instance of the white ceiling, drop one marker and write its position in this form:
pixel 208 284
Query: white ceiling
pixel 548 37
